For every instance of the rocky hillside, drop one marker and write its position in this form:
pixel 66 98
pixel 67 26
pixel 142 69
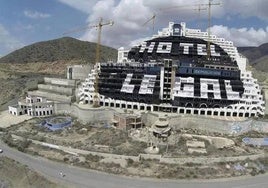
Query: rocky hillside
pixel 22 69
pixel 257 56
pixel 63 49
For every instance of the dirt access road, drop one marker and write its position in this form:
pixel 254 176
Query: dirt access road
pixel 79 177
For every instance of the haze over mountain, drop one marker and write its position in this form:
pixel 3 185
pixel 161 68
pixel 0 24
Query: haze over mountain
pixel 65 48
pixel 257 56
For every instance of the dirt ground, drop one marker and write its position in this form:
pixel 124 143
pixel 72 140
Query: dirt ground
pixel 111 140
pixel 7 119
pixel 152 168
pixel 14 174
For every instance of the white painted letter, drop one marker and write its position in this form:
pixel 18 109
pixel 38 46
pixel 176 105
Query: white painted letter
pixel 126 87
pixel 149 48
pixel 186 47
pixel 164 47
pixel 204 88
pixel 201 49
pixel 213 52
pixel 147 84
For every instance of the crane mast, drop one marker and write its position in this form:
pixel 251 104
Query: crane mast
pixel 99 26
pixel 200 7
pixel 209 25
pixel 96 100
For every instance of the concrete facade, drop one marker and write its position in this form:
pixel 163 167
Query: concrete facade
pixel 265 91
pixel 127 120
pixel 209 124
pixel 86 114
pixel 78 72
pixel 41 102
pixel 244 102
pixel 33 106
pixel 56 89
pixel 60 82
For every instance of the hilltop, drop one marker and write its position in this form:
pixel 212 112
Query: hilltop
pixel 62 49
pixel 257 56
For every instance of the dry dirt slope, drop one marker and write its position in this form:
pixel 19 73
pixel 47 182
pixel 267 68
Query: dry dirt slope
pixel 14 174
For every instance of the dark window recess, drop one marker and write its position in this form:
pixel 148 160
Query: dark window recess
pixel 210 95
pixel 197 87
pixel 210 86
pixel 223 89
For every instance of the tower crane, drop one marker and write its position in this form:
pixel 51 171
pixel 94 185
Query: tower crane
pixel 150 19
pixel 209 4
pixel 169 8
pixel 99 26
pixel 96 100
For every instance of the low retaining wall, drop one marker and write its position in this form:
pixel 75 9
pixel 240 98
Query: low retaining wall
pixel 86 115
pixel 105 115
pixel 59 81
pixel 56 89
pixel 209 124
pixel 209 160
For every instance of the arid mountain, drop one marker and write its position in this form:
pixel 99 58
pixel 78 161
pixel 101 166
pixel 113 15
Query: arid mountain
pixel 63 49
pixel 22 69
pixel 257 56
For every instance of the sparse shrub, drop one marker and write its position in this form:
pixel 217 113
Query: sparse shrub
pixel 23 145
pixel 190 164
pixel 93 158
pixel 130 162
pixel 254 172
pixel 145 163
pixel 112 165
pixel 65 159
pixel 187 176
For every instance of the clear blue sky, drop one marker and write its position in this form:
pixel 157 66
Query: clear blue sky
pixel 23 22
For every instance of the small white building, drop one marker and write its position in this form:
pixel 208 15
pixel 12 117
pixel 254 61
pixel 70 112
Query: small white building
pixel 33 106
pixel 122 55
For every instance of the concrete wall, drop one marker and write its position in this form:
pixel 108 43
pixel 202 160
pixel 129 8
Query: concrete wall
pixel 105 115
pixel 60 81
pixel 79 72
pixel 209 124
pixel 209 160
pixel 149 118
pixel 265 91
pixel 86 115
pixel 213 125
pixel 56 89
pixel 52 96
